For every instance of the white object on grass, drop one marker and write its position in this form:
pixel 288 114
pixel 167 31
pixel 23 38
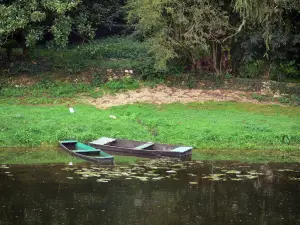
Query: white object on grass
pixel 113 117
pixel 71 110
pixel 70 163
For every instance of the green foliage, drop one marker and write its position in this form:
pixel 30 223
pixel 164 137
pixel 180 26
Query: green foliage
pixel 253 70
pixel 285 71
pixel 260 97
pixel 114 47
pixel 179 29
pixel 119 53
pixel 127 83
pixel 30 14
pixel 284 100
pixel 31 19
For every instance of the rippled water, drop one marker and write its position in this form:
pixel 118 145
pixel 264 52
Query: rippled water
pixel 56 195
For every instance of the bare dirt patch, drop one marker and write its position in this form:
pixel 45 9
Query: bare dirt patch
pixel 165 95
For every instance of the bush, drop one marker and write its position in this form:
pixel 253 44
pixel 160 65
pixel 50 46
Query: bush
pixel 284 71
pixel 253 70
pixel 127 83
pixel 115 47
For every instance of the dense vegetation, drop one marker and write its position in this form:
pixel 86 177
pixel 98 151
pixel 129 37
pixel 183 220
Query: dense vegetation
pixel 251 39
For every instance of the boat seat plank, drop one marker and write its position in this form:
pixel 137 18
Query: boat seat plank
pixel 146 145
pixel 84 151
pixel 181 149
pixel 103 157
pixel 103 141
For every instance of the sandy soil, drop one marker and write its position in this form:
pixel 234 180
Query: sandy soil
pixel 164 95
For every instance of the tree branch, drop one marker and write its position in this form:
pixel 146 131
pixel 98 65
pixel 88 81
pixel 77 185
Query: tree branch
pixel 238 30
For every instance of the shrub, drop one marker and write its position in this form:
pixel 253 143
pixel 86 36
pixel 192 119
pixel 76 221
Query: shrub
pixel 254 69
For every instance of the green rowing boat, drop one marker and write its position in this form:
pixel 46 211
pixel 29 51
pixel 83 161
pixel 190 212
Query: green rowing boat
pixel 86 152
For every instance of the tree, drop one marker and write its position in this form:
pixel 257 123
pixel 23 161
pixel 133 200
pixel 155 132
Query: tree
pixel 28 18
pixel 186 29
pixel 27 21
pixel 266 13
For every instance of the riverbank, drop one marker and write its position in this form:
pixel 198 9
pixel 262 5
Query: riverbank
pixel 217 130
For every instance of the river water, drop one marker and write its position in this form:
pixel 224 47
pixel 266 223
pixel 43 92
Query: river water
pixel 211 193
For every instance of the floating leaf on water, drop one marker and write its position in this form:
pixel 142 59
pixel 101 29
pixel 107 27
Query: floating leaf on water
pixel 7 172
pixel 247 176
pixel 123 168
pixel 285 170
pixel 171 171
pixel 217 175
pixel 142 178
pixel 178 165
pixel 192 175
pixel 253 172
pixel 236 179
pixel 214 177
pixel 193 182
pixel 128 178
pixel 295 178
pixel 102 181
pixel 70 178
pixel 4 167
pixel 82 178
pixel 10 175
pixel 233 172
pixel 157 178
pixel 124 174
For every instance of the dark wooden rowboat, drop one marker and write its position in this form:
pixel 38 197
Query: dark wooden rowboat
pixel 86 152
pixel 142 149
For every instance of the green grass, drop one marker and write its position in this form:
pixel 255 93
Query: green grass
pixel 219 129
pixel 34 156
pixel 57 92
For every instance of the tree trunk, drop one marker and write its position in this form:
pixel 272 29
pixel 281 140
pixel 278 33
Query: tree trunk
pixel 215 57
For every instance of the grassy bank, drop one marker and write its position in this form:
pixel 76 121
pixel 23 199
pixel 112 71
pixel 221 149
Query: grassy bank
pixel 23 155
pixel 230 131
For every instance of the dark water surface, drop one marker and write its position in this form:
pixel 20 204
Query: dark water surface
pixel 54 195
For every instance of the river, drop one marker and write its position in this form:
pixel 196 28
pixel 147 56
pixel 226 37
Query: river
pixel 160 193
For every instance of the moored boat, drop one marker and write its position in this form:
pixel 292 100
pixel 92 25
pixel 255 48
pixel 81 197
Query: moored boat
pixel 86 152
pixel 142 149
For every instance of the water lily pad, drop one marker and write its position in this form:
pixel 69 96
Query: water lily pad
pixel 193 182
pixel 70 178
pixel 233 172
pixel 214 177
pixel 253 172
pixel 295 178
pixel 171 171
pixel 157 178
pixel 285 170
pixel 192 175
pixel 247 176
pixel 236 179
pixel 102 181
pixel 143 178
pixel 4 167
